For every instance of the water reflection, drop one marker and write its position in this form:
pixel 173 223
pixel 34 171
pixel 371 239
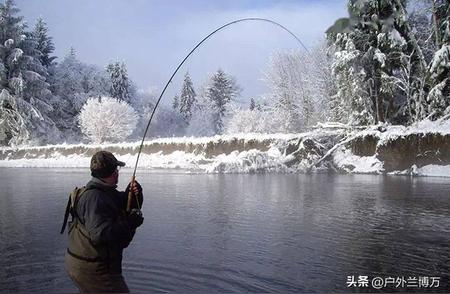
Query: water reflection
pixel 257 233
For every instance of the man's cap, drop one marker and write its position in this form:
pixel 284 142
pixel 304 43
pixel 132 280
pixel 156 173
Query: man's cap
pixel 104 163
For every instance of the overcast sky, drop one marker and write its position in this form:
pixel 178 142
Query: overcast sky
pixel 152 37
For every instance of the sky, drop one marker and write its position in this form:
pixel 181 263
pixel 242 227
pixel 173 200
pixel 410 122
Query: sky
pixel 153 37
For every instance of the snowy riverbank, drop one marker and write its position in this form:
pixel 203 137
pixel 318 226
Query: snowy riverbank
pixel 422 149
pixel 238 153
pixel 419 150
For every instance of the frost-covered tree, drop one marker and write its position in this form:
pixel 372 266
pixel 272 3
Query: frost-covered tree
pixel 107 119
pixel 441 21
pixel 74 82
pixel 376 34
pixel 205 111
pixel 246 121
pixel 94 80
pixel 252 104
pixel 176 103
pixel 321 81
pixel 439 96
pixel 300 87
pixel 167 122
pixel 12 35
pixel 145 98
pixel 13 129
pixel 353 104
pixel 120 84
pixel 243 121
pixel 284 78
pixel 24 77
pixel 44 43
pixel 420 19
pixel 187 98
pixel 67 86
pixel 221 89
pixel 144 103
pixel 439 71
pixel 262 119
pixel 34 74
pixel 412 87
pixel 410 75
pixel 379 30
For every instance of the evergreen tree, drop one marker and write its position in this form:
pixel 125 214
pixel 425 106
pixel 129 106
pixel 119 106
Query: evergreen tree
pixel 120 84
pixel 187 98
pixel 439 96
pixel 378 29
pixel 351 104
pixel 44 42
pixel 12 35
pixel 68 94
pixel 420 20
pixel 411 76
pixel 176 103
pixel 439 73
pixel 13 129
pixel 221 90
pixel 441 21
pixel 252 104
pixel 23 77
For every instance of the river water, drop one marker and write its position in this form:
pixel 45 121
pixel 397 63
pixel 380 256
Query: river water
pixel 239 233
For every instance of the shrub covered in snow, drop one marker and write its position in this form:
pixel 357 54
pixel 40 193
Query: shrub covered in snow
pixel 258 120
pixel 107 119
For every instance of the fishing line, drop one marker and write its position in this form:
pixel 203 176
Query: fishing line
pixel 182 62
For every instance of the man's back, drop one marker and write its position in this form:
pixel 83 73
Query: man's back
pixel 102 231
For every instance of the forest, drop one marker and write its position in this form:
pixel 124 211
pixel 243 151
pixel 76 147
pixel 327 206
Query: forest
pixel 387 63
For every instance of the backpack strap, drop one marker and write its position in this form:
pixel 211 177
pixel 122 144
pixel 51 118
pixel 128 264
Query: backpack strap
pixel 66 217
pixel 74 196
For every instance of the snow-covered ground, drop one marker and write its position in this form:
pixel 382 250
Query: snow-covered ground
pixel 250 160
pixel 243 153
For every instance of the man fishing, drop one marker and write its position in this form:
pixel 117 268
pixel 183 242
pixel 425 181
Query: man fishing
pixel 104 222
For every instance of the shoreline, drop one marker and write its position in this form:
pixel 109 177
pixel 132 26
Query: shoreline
pixel 420 150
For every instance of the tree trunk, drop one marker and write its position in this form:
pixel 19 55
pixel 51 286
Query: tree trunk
pixel 377 97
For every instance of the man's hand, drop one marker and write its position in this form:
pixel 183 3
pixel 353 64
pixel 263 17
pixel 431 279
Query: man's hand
pixel 135 218
pixel 136 189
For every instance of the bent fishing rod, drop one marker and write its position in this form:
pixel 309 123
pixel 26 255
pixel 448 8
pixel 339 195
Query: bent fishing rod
pixel 130 194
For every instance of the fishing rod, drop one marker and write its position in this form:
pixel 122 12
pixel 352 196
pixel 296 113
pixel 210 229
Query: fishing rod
pixel 130 194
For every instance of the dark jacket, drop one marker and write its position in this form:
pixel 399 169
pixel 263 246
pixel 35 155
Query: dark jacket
pixel 101 229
